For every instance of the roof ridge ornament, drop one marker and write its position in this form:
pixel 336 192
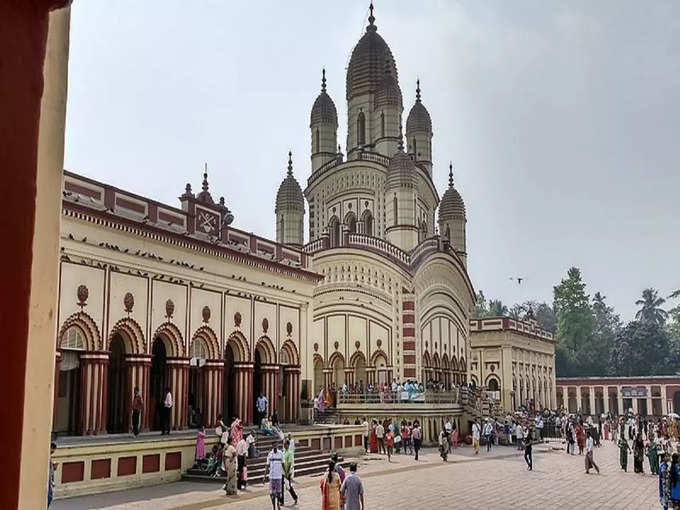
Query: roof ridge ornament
pixel 290 164
pixel 418 90
pixel 323 80
pixel 205 177
pixel 450 174
pixel 400 146
pixel 371 20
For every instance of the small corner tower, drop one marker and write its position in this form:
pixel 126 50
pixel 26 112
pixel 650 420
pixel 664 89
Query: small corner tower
pixel 324 127
pixel 290 210
pixel 419 132
pixel 400 200
pixel 452 218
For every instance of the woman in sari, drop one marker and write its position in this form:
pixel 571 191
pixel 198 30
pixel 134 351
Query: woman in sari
pixel 454 436
pixel 623 453
pixel 606 430
pixel 638 454
pixel 200 444
pixel 330 489
pixel 328 398
pixel 373 439
pixel 229 469
pixel 236 431
pixel 652 455
pixel 580 438
pixel 322 400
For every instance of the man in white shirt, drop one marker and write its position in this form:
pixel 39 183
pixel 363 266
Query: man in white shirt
pixel 590 462
pixel 475 436
pixel 166 410
pixel 380 434
pixel 366 430
pixel 241 452
pixel 487 432
pixel 275 469
pixel 261 405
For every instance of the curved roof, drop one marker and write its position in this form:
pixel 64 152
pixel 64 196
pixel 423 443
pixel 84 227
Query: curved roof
pixel 367 64
pixel 324 110
pixel 402 170
pixel 418 118
pixel 289 196
pixel 389 93
pixel 452 205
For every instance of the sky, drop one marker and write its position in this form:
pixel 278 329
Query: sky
pixel 561 119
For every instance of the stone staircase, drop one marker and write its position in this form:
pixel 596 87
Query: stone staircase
pixel 308 461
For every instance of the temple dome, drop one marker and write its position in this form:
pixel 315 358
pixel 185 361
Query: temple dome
pixel 324 110
pixel 418 119
pixel 289 196
pixel 389 93
pixel 452 205
pixel 366 67
pixel 401 172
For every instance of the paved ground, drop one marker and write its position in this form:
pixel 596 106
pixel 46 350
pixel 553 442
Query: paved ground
pixel 498 480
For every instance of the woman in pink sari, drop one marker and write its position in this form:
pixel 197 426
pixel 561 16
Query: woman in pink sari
pixel 322 401
pixel 454 437
pixel 200 444
pixel 236 431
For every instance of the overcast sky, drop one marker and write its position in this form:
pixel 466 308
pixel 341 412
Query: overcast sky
pixel 562 118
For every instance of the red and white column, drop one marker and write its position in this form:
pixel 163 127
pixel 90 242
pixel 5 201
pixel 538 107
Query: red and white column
pixel 57 369
pixel 269 386
pixel 178 382
pixel 93 376
pixel 244 391
pixel 291 379
pixel 138 376
pixel 211 405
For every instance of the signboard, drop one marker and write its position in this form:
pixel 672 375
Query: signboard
pixel 634 392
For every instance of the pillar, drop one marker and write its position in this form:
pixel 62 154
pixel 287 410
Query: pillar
pixel 93 376
pixel 579 407
pixel 664 407
pixel 328 377
pixel 349 376
pixel 138 375
pixel 211 403
pixel 291 378
pixel 269 384
pixel 244 391
pixel 635 405
pixel 605 399
pixel 650 408
pixel 619 400
pixel 57 368
pixel 178 381
pixel 591 398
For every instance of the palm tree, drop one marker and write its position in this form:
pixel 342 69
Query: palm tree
pixel 651 310
pixel 674 295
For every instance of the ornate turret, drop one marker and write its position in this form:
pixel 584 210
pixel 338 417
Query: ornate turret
pixel 419 132
pixel 290 209
pixel 324 127
pixel 374 102
pixel 400 198
pixel 452 218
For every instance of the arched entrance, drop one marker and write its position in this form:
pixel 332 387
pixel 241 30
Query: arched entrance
pixel 229 384
pixel 338 366
pixel 69 391
pixel 265 377
pixel 116 398
pixel 158 381
pixel 197 384
pixel 237 382
pixel 382 372
pixel 318 375
pixel 360 371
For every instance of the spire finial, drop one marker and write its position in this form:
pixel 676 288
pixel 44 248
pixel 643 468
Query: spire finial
pixel 323 80
pixel 450 174
pixel 205 177
pixel 400 146
pixel 290 163
pixel 418 90
pixel 371 19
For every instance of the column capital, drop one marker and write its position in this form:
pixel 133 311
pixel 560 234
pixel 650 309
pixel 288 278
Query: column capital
pixel 138 358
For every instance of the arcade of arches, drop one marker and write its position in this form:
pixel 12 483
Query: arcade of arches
pixel 94 383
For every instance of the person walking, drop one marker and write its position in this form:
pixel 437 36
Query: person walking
pixel 652 455
pixel 242 453
pixel 380 435
pixel 416 437
pixel 167 409
pixel 528 454
pixel 664 482
pixel 519 434
pixel 352 490
pixel 590 461
pixel 487 432
pixel 137 408
pixel 623 453
pixel 454 437
pixel 200 444
pixel 288 472
pixel 475 436
pixel 274 468
pixel 330 489
pixel 638 454
pixel 229 467
pixel 366 431
pixel 389 444
pixel 674 477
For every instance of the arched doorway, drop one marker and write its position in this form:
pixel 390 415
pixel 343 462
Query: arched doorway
pixel 284 362
pixel 360 371
pixel 338 371
pixel 265 376
pixel 116 398
pixel 229 384
pixel 69 391
pixel 380 364
pixel 318 375
pixel 197 384
pixel 367 222
pixel 676 402
pixel 158 381
pixel 351 222
pixel 334 231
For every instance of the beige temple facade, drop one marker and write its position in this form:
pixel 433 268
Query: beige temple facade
pixel 156 296
pixel 515 361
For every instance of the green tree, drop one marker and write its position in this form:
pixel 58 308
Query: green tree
pixel 497 308
pixel 642 348
pixel 481 308
pixel 575 325
pixel 651 310
pixel 607 326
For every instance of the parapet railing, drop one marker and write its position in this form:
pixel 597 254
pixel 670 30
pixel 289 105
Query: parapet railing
pixel 427 397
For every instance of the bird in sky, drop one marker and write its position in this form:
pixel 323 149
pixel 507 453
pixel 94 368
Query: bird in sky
pixel 518 279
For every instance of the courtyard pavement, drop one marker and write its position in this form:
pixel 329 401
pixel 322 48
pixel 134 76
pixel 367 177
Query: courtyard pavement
pixel 495 480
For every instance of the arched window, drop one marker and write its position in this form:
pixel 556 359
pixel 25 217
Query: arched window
pixel 396 210
pixel 334 231
pixel 415 149
pixel 281 230
pixel 73 339
pixel 317 141
pixel 448 232
pixel 367 222
pixel 382 124
pixel 361 129
pixel 423 229
pixel 351 222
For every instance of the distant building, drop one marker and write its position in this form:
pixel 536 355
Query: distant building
pixel 646 395
pixel 514 360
